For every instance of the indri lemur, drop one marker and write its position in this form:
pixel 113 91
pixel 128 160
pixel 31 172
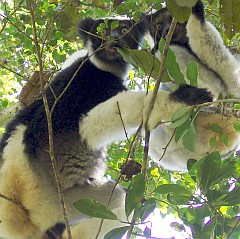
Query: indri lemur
pixel 85 98
pixel 196 40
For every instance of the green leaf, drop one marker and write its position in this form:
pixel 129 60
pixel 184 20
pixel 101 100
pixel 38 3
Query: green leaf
pixel 181 112
pixel 147 232
pixel 189 138
pixel 94 209
pixel 187 132
pixel 223 137
pixel 172 65
pixel 210 167
pixel 237 106
pixel 4 103
pixel 192 73
pixel 213 142
pixel 181 11
pixel 215 128
pixel 179 199
pixel 173 189
pixel 148 207
pixel 114 25
pixel 196 170
pixel 236 126
pixel 225 172
pixel 101 27
pixel 146 61
pixel 177 227
pixel 57 56
pixel 203 211
pixel 181 130
pixel 127 56
pixel 135 193
pixel 190 163
pixel 180 116
pixel 180 121
pixel 232 198
pixel 117 233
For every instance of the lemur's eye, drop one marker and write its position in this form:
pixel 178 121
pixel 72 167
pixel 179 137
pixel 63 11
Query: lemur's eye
pixel 158 26
pixel 124 30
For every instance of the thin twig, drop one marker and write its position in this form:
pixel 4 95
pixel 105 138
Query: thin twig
pixel 49 121
pixel 124 128
pixel 9 69
pixel 165 148
pixel 15 202
pixel 233 228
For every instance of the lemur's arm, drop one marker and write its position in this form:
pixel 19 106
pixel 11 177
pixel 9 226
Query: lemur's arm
pixel 206 42
pixel 105 123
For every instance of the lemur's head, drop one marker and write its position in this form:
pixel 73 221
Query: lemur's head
pixel 159 24
pixel 103 36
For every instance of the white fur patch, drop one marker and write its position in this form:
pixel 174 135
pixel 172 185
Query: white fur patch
pixel 14 151
pixel 73 58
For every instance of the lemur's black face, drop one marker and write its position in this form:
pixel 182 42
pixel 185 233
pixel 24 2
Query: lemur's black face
pixel 104 36
pixel 159 24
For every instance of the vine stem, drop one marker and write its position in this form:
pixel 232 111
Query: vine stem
pixel 49 121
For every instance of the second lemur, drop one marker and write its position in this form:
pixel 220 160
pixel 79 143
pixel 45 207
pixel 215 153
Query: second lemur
pixel 196 40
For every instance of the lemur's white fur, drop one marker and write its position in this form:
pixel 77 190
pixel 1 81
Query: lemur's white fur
pixel 73 58
pixel 205 75
pixel 206 42
pixel 176 156
pixel 103 124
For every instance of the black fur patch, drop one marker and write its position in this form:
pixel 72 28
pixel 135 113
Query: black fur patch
pixel 56 231
pixel 191 95
pixel 198 11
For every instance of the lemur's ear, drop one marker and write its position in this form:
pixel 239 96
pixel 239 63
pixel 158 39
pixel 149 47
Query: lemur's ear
pixel 84 27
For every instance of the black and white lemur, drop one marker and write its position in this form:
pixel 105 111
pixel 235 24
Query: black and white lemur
pixel 196 40
pixel 85 98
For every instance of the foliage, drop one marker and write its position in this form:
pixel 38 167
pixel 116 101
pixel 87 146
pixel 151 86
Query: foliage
pixel 207 198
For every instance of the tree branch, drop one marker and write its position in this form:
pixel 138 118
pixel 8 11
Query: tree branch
pixel 49 121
